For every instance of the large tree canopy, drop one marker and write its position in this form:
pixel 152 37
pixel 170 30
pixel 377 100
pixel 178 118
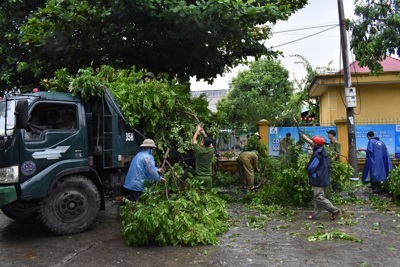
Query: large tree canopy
pixel 376 32
pixel 261 92
pixel 182 38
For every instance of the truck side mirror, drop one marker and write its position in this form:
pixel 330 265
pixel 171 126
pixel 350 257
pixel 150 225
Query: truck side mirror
pixel 21 113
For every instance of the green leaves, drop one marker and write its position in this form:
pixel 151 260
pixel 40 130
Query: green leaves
pixel 340 175
pixel 335 234
pixel 181 38
pixel 375 33
pixel 191 216
pixel 393 183
pixel 287 182
pixel 164 110
pixel 262 92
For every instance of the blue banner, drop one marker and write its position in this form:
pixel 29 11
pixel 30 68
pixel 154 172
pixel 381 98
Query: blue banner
pixel 277 133
pixel 397 142
pixel 387 133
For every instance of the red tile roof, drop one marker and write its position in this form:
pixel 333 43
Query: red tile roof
pixel 389 64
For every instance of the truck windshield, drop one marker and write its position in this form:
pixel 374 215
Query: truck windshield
pixel 7 118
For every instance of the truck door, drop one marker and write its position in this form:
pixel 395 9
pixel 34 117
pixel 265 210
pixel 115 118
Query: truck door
pixel 53 142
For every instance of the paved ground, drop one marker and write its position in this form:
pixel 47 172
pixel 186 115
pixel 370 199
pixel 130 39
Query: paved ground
pixel 254 239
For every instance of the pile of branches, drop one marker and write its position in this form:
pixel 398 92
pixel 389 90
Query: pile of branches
pixel 178 212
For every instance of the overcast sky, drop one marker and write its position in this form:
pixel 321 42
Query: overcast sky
pixel 319 49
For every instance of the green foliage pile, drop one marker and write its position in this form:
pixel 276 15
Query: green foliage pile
pixel 164 110
pixel 192 215
pixel 335 234
pixel 340 176
pixel 288 182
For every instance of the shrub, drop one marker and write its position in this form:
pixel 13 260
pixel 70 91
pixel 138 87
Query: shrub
pixel 393 182
pixel 340 176
pixel 288 184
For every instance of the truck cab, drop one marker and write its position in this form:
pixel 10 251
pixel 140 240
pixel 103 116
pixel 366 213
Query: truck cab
pixel 58 154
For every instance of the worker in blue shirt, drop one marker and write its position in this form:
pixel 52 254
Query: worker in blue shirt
pixel 142 169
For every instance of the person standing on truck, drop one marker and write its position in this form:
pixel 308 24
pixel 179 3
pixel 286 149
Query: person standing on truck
pixel 204 154
pixel 142 169
pixel 149 76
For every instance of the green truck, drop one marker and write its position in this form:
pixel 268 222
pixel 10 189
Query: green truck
pixel 58 156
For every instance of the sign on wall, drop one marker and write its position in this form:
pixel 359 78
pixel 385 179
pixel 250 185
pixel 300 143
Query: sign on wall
pixel 388 133
pixel 277 133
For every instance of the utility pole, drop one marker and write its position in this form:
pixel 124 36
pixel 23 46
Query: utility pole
pixel 350 94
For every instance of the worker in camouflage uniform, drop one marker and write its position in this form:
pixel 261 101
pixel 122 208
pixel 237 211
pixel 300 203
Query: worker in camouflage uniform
pixel 247 165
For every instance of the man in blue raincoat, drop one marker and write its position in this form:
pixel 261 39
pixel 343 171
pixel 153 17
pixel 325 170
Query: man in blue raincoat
pixel 378 162
pixel 142 168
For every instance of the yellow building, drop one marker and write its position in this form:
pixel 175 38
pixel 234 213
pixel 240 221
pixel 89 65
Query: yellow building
pixel 377 96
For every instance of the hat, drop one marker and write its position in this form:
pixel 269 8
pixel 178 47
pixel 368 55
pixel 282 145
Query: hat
pixel 318 140
pixel 149 74
pixel 333 132
pixel 148 143
pixel 258 135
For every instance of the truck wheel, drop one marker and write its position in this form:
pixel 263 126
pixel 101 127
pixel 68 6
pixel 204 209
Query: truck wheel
pixel 21 210
pixel 72 206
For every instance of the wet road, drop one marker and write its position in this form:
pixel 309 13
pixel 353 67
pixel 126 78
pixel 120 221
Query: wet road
pixel 30 244
pixel 281 240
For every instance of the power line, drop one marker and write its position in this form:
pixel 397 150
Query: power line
pixel 307 28
pixel 308 36
pixel 299 34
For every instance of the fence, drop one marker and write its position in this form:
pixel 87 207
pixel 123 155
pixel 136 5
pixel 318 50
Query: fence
pixel 373 121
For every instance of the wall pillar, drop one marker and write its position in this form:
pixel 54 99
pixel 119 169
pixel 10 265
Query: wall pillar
pixel 263 130
pixel 343 138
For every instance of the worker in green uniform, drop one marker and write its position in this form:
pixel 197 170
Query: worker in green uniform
pixel 284 145
pixel 204 154
pixel 334 145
